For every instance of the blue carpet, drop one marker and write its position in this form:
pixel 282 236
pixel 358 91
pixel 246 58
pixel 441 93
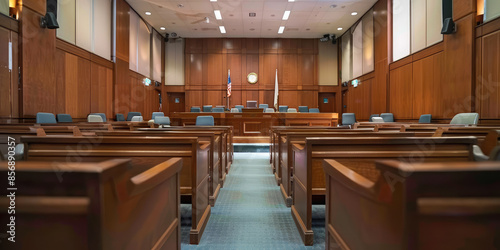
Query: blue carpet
pixel 250 212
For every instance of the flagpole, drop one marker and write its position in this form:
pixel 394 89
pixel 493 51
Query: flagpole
pixel 227 97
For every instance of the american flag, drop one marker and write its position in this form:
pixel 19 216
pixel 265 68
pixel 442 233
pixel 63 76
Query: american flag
pixel 228 83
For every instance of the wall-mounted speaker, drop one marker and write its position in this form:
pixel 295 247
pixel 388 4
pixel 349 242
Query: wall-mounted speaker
pixel 449 27
pixel 49 21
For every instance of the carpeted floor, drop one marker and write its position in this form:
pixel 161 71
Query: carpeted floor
pixel 250 212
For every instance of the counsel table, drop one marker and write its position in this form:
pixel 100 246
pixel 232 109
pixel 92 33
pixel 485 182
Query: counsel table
pixel 258 124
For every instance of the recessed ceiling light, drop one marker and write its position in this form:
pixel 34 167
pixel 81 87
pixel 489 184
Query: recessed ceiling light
pixel 286 15
pixel 148 13
pixel 339 28
pixel 218 16
pixel 291 1
pixel 222 29
pixel 354 13
pixel 213 0
pixel 162 28
pixel 282 28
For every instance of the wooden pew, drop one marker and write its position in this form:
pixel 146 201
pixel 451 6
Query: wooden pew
pixel 491 140
pixel 216 173
pixel 276 140
pixel 360 154
pixel 145 153
pixel 61 205
pixel 227 139
pixel 413 206
pixel 290 138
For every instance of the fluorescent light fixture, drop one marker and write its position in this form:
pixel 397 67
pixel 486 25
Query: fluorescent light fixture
pixel 282 28
pixel 339 28
pixel 162 28
pixel 213 0
pixel 148 13
pixel 290 1
pixel 218 16
pixel 286 15
pixel 354 13
pixel 222 29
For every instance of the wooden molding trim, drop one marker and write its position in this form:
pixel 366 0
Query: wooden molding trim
pixel 401 63
pixel 434 49
pixel 487 28
pixel 9 23
pixel 101 61
pixel 175 88
pixel 73 49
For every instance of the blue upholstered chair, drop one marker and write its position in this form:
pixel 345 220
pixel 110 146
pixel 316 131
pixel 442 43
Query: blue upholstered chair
pixel 102 115
pixel 303 109
pixel 162 120
pixel 155 114
pixel 94 118
pixel 314 110
pixel 348 119
pixel 465 119
pixel 205 120
pixel 195 109
pixel 373 115
pixel 291 110
pixel 45 118
pixel 239 107
pixel 207 108
pixel 378 119
pixel 425 118
pixel 495 154
pixel 218 110
pixel 120 117
pixel 132 114
pixel 388 117
pixel 263 106
pixel 283 109
pixel 137 118
pixel 64 118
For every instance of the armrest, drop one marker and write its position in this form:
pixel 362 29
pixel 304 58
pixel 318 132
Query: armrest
pixel 154 176
pixel 350 179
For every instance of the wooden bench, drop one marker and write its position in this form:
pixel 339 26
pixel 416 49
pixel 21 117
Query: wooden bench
pixel 227 139
pixel 290 138
pixel 61 205
pixel 359 154
pixel 145 153
pixel 216 173
pixel 413 206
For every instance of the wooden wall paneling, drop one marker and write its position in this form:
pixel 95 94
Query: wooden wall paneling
pixel 458 49
pixel 101 90
pixel 268 63
pixel 401 82
pixel 136 93
pixel 289 98
pixel 427 86
pixel 251 45
pixel 307 46
pixel 194 98
pixel 215 70
pixel 479 72
pixel 288 69
pixel 194 69
pixel 122 30
pixel 235 98
pixel 5 75
pixel 214 97
pixel 307 69
pixel 232 45
pixel 490 80
pixel 77 86
pixel 266 97
pixel 38 63
pixel 60 81
pixel 234 63
pixel 122 85
pixel 359 100
pixel 309 98
pixel 15 76
pixel 463 8
pixel 212 45
pixel 193 46
pixel 269 45
pixel 252 65
pixel 288 46
pixel 251 95
pixel 39 6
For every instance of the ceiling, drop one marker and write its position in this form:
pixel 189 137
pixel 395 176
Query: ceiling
pixel 308 18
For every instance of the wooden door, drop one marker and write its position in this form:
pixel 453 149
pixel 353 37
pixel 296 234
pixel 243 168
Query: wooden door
pixel 326 102
pixel 176 102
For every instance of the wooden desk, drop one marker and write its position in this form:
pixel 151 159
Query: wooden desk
pixel 258 124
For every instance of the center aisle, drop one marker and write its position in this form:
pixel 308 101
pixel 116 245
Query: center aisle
pixel 250 212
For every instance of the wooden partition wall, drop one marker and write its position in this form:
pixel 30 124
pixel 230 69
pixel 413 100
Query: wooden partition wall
pixel 208 61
